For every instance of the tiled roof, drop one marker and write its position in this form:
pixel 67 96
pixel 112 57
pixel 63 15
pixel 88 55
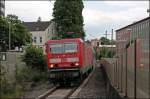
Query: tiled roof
pixel 37 26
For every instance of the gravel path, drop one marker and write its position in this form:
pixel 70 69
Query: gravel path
pixel 96 87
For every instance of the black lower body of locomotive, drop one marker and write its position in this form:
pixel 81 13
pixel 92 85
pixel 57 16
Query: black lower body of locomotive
pixel 65 76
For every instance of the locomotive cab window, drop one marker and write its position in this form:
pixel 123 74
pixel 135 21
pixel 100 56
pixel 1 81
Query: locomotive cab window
pixel 70 47
pixel 56 48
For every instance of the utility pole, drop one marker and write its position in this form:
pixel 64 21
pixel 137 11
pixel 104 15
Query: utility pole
pixel 9 37
pixel 112 35
pixel 106 34
pixel 112 38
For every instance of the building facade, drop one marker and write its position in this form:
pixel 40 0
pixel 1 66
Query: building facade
pixel 2 7
pixel 95 42
pixel 41 32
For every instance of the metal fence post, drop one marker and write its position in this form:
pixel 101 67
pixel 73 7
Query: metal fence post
pixel 135 69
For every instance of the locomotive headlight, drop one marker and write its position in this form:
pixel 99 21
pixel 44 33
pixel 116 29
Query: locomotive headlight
pixel 76 64
pixel 52 65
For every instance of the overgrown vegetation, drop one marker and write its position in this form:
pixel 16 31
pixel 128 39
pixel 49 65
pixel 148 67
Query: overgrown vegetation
pixel 105 41
pixel 28 74
pixel 105 53
pixel 36 69
pixel 56 38
pixel 26 77
pixel 35 58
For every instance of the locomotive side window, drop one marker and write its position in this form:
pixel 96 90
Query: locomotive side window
pixel 70 47
pixel 56 48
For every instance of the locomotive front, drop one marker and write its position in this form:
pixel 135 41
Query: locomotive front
pixel 63 59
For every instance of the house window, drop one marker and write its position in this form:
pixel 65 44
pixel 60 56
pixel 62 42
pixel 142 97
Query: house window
pixel 40 39
pixel 34 39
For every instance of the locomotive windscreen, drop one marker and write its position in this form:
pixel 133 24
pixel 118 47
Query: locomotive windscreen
pixel 56 48
pixel 70 47
pixel 63 48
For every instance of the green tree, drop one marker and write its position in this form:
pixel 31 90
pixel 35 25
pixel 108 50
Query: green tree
pixel 105 41
pixel 18 33
pixel 111 54
pixel 4 29
pixel 104 53
pixel 68 17
pixel 34 58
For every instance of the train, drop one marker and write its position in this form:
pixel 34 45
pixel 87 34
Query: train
pixel 68 60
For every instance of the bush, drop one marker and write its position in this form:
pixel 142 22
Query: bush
pixel 26 76
pixel 105 53
pixel 34 58
pixel 56 38
pixel 39 76
pixel 111 54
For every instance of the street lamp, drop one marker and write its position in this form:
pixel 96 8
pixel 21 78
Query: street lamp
pixel 9 37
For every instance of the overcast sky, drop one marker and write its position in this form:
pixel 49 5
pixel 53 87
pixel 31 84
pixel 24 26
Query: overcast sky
pixel 99 16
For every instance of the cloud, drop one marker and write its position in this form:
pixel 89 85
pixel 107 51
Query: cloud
pixel 30 11
pixel 127 4
pixel 98 15
pixel 97 21
pixel 94 17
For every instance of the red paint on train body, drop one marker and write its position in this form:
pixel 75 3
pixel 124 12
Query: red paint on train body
pixel 68 58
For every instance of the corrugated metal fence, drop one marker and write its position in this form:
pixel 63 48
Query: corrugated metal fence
pixel 130 72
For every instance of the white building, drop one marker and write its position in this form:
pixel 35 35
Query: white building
pixel 95 42
pixel 41 31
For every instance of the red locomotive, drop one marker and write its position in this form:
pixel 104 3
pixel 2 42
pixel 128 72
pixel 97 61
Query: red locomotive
pixel 68 59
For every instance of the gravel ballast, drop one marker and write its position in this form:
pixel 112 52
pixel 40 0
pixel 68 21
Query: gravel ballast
pixel 96 87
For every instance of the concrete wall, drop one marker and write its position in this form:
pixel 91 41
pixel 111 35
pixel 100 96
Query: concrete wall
pixel 13 61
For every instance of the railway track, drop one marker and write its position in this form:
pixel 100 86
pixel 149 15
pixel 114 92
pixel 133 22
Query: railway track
pixel 58 92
